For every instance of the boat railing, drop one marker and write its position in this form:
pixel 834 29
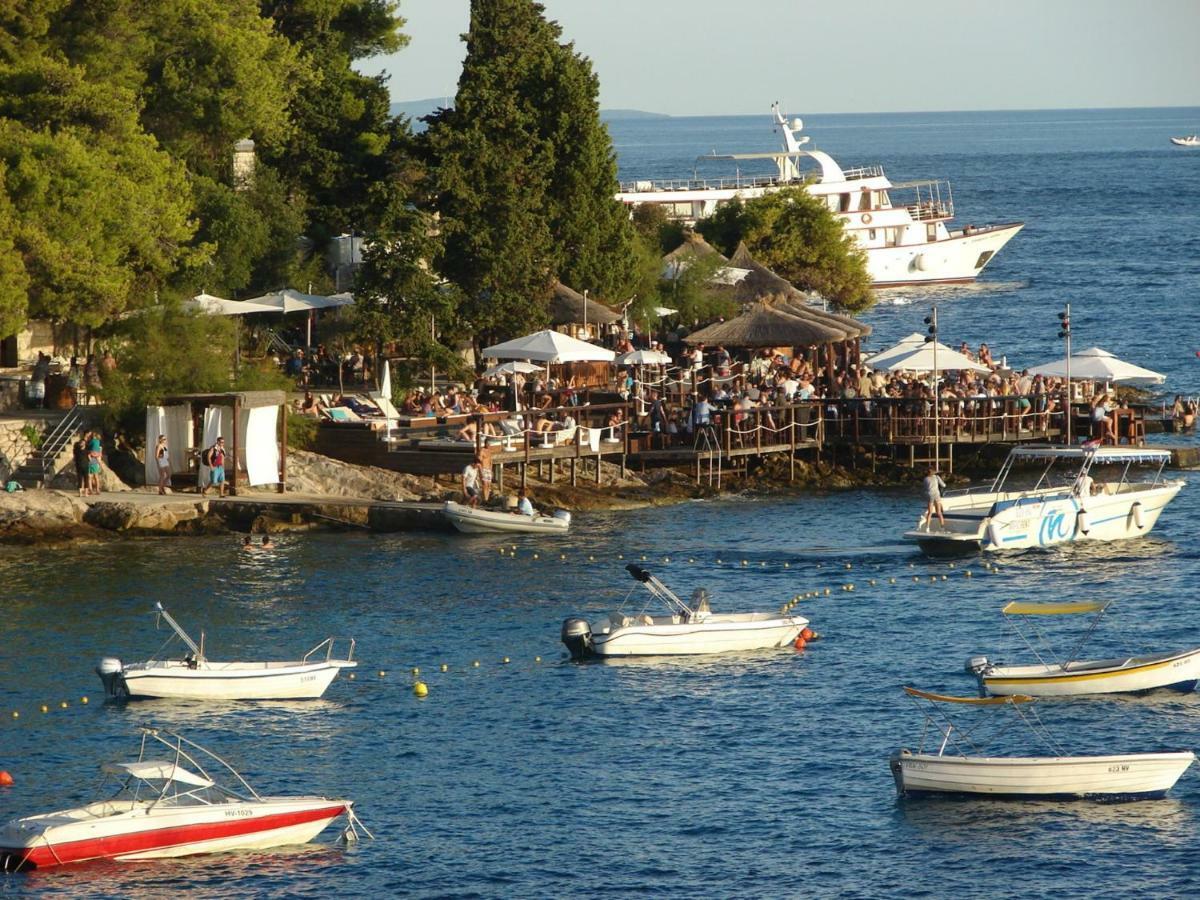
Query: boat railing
pixel 328 645
pixel 860 172
pixel 734 182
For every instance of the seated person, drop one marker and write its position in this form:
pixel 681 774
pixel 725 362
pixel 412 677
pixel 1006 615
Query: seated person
pixel 311 406
pixel 524 505
pixel 412 404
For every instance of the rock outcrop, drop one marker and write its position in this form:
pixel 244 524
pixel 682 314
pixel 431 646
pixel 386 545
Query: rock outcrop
pixel 311 473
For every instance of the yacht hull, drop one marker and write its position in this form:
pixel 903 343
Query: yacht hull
pixel 1134 776
pixel 686 639
pixel 956 260
pixel 228 681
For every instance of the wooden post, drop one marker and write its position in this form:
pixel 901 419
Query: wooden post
pixel 283 451
pixel 524 472
pixel 237 414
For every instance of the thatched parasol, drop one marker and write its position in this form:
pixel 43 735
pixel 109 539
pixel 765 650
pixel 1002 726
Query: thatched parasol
pixel 770 323
pixel 567 308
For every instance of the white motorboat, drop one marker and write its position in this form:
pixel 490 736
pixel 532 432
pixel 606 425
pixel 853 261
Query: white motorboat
pixel 1058 509
pixel 1192 140
pixel 1069 676
pixel 470 520
pixel 169 805
pixel 906 241
pixel 687 628
pixel 1129 776
pixel 196 677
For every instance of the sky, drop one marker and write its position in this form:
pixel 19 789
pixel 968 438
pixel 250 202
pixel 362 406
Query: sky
pixel 734 57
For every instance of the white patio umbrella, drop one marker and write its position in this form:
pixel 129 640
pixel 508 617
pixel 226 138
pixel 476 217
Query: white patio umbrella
pixel 643 358
pixel 219 306
pixel 664 311
pixel 1095 364
pixel 900 348
pixel 512 368
pixel 289 300
pixel 548 347
pixel 920 359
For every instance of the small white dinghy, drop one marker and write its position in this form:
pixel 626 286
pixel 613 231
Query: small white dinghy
pixel 195 677
pixel 183 801
pixel 1070 677
pixel 489 521
pixel 686 629
pixel 1130 776
pixel 1191 140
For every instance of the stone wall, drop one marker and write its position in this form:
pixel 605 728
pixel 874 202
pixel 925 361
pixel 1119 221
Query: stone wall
pixel 14 446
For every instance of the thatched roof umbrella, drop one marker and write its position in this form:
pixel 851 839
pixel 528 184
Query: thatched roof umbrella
pixel 568 307
pixel 694 246
pixel 770 323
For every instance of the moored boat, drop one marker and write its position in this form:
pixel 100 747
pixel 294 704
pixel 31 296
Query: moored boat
pixel 1109 777
pixel 906 241
pixel 1056 510
pixel 194 676
pixel 168 806
pixel 688 627
pixel 1069 677
pixel 1192 140
pixel 471 520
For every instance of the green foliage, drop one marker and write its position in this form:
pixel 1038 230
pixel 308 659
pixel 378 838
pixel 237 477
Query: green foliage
pixel 651 222
pixel 33 435
pixel 524 174
pixel 795 234
pixel 14 280
pixel 164 351
pixel 301 431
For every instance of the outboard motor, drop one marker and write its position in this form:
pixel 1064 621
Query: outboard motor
pixel 577 635
pixel 978 666
pixel 563 514
pixel 110 671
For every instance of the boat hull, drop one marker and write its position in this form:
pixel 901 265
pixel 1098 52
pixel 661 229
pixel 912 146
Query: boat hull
pixel 484 521
pixel 956 260
pixel 1043 520
pixel 1180 671
pixel 229 681
pixel 141 833
pixel 1134 776
pixel 695 639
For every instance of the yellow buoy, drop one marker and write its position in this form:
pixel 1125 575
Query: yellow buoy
pixel 537 659
pixel 382 673
pixel 951 565
pixel 850 586
pixel 45 708
pixel 871 581
pixel 16 715
pixel 643 557
pixel 847 565
pixel 63 704
pixel 562 556
pixel 718 562
pixel 916 578
pixel 786 566
pixel 351 676
pixel 744 562
pixel 535 556
pixel 421 689
pixel 891 581
pixel 591 559
pixel 827 592
pixel 506 660
pixel 967 573
pixel 415 671
pixel 476 664
pixel 944 577
pixel 83 700
pixel 691 559
pixel 620 556
pixel 445 668
pixel 666 559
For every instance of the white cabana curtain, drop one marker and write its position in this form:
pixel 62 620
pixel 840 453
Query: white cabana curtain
pixel 258 446
pixel 217 423
pixel 174 422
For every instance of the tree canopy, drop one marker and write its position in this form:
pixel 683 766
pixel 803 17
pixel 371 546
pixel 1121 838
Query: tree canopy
pixel 794 234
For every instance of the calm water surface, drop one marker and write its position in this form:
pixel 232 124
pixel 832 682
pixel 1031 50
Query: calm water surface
pixel 756 775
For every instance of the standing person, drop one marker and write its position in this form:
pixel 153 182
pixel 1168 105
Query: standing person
pixel 95 454
pixel 37 381
pixel 471 478
pixel 933 496
pixel 80 456
pixel 75 380
pixel 216 468
pixel 162 457
pixel 485 470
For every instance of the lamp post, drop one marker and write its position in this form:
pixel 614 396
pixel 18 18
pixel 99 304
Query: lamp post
pixel 932 321
pixel 1064 331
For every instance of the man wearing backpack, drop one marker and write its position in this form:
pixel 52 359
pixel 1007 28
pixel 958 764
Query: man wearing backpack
pixel 214 458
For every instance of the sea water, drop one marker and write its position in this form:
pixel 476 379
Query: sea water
pixel 747 775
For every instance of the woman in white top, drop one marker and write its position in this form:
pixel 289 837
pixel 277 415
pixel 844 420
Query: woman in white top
pixel 162 457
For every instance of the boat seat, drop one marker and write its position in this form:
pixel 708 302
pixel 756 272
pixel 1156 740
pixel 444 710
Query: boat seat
pixel 618 620
pixel 645 619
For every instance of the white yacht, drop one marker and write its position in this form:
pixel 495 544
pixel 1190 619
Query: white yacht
pixel 907 240
pixel 1192 140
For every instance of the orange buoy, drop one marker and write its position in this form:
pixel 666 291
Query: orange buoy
pixel 6 780
pixel 800 644
pixel 806 633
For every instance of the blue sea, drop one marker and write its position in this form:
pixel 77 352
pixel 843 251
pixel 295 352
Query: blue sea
pixel 758 775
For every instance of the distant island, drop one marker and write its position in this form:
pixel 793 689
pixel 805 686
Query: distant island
pixel 417 109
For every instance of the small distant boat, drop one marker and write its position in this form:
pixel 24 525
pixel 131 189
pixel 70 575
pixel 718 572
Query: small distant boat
pixel 196 677
pixel 169 806
pixel 688 628
pixel 1192 140
pixel 1072 677
pixel 488 521
pixel 1000 517
pixel 1123 777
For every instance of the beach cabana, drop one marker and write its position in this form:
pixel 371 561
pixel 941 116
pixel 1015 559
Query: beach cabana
pixel 1095 364
pixel 577 315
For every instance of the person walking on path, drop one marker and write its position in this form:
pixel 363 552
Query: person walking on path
pixel 933 497
pixel 162 457
pixel 471 479
pixel 94 456
pixel 216 468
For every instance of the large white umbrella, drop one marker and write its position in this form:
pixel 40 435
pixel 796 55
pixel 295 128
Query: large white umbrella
pixel 219 306
pixel 643 358
pixel 549 347
pixel 511 368
pixel 664 311
pixel 920 359
pixel 900 348
pixel 1095 364
pixel 289 300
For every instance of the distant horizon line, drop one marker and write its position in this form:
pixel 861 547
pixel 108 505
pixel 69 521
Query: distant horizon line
pixel 655 114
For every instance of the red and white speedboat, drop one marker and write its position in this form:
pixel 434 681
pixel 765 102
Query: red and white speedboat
pixel 168 806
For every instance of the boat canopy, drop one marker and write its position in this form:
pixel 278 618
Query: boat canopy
pixel 1064 608
pixel 1098 454
pixel 973 701
pixel 157 770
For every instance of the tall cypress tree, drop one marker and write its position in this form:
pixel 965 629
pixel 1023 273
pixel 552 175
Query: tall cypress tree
pixel 524 173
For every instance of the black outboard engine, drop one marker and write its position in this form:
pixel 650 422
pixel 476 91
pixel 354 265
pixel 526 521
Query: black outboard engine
pixel 111 671
pixel 577 635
